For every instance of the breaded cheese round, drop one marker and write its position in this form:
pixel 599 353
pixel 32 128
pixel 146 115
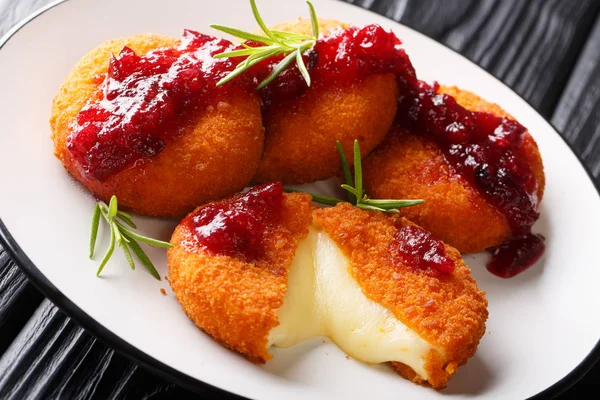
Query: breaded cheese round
pixel 447 310
pixel 236 301
pixel 301 133
pixel 407 165
pixel 216 155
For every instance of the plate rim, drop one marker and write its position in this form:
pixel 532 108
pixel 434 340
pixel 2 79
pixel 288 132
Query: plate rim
pixel 121 346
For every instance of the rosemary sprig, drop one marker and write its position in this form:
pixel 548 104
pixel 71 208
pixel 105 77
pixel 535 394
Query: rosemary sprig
pixel 276 43
pixel 354 187
pixel 122 236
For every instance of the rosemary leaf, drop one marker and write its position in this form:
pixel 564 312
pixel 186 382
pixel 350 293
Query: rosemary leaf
pixel 290 36
pixel 143 239
pixel 358 170
pixel 283 64
pixel 235 53
pixel 127 254
pixel 112 207
pixel 346 171
pixel 254 52
pixel 94 233
pixel 302 67
pixel 354 187
pixel 330 201
pixel 141 255
pixel 249 62
pixel 393 204
pixel 115 229
pixel 238 33
pixel 127 219
pixel 313 20
pixel 275 43
pixel 350 189
pixel 375 208
pixel 260 21
pixel 317 198
pixel 104 212
pixel 109 252
pixel 122 236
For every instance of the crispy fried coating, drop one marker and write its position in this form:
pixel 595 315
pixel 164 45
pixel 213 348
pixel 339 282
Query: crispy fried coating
pixel 216 155
pixel 407 165
pixel 234 301
pixel 447 310
pixel 301 134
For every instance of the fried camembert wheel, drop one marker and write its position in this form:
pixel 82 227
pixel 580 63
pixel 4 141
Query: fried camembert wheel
pixel 301 133
pixel 354 276
pixel 215 152
pixel 411 165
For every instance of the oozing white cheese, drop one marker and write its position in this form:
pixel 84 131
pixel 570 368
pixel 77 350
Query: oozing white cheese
pixel 323 299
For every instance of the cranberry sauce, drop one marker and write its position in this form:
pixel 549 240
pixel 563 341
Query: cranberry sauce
pixel 484 149
pixel 236 227
pixel 418 249
pixel 516 255
pixel 142 95
pixel 340 55
pixel 480 147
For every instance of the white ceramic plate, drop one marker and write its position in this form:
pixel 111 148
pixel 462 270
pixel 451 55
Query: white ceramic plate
pixel 543 326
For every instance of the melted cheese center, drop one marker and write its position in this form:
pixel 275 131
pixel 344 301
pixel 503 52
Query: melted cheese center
pixel 323 299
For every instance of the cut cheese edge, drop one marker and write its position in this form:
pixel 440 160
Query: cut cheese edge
pixel 324 300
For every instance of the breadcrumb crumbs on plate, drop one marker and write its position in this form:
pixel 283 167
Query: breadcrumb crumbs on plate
pixel 163 291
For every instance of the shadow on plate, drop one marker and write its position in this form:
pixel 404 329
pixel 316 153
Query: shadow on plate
pixel 474 378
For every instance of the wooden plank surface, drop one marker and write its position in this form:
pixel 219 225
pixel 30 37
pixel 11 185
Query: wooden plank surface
pixel 530 45
pixel 577 115
pixel 548 51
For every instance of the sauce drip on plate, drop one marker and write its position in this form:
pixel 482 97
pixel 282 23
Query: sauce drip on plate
pixel 484 149
pixel 516 255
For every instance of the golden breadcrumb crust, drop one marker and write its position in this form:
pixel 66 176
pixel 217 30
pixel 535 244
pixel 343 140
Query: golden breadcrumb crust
pixel 447 310
pixel 301 134
pixel 216 154
pixel 234 301
pixel 408 165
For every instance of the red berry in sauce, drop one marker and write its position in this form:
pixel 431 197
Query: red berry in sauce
pixel 416 248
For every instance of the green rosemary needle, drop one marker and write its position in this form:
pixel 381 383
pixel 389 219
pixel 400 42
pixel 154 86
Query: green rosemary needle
pixel 122 235
pixel 354 187
pixel 275 43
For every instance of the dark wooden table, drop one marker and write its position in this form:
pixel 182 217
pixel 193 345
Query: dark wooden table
pixel 546 50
